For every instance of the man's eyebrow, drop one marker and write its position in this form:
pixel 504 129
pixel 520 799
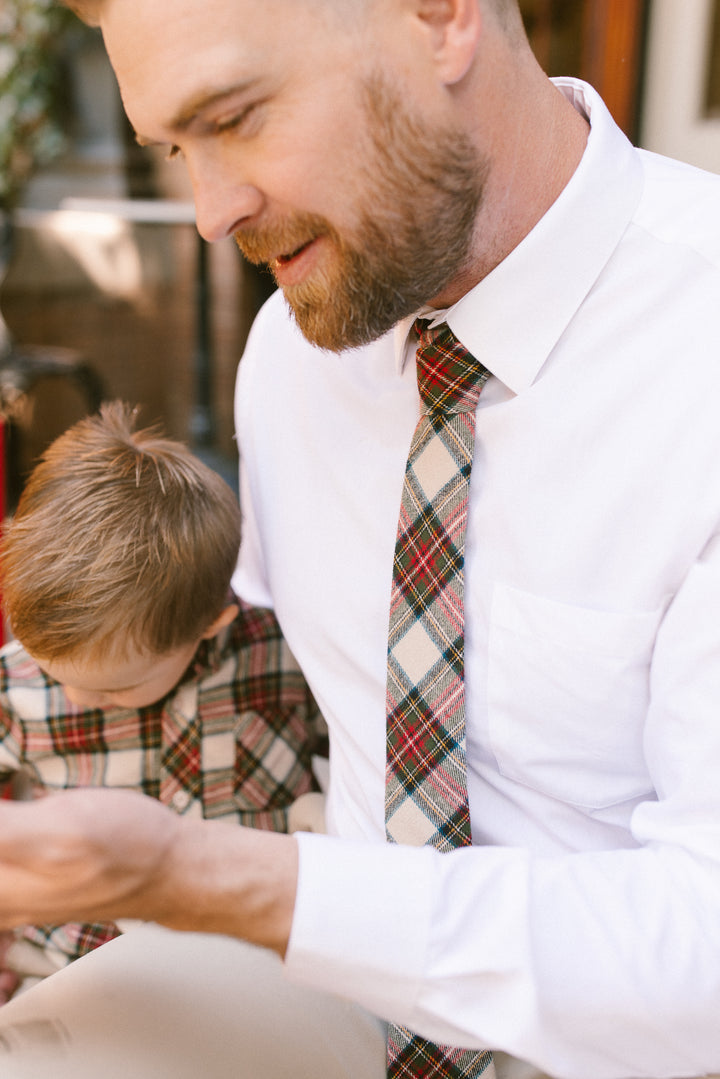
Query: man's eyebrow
pixel 204 99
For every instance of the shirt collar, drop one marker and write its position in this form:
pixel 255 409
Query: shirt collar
pixel 512 320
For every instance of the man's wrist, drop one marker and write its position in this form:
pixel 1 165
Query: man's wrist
pixel 222 878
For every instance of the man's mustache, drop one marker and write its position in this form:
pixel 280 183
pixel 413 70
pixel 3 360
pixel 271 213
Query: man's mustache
pixel 279 242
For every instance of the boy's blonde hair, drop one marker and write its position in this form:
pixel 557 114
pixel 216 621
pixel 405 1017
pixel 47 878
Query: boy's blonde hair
pixel 121 539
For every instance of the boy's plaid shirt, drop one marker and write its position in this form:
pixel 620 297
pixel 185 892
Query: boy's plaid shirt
pixel 234 739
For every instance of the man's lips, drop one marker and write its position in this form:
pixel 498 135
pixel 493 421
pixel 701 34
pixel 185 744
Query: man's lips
pixel 283 260
pixel 292 267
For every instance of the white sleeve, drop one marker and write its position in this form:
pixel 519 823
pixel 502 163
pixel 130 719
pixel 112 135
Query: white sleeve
pixel 597 965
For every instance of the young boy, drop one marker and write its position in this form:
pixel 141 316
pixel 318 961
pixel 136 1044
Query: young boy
pixel 133 665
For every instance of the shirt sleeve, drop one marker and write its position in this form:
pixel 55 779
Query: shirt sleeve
pixel 592 965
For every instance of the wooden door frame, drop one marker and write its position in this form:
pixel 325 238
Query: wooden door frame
pixel 612 52
pixel 609 54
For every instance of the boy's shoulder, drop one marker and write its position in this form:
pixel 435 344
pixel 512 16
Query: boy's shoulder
pixel 254 640
pixel 254 624
pixel 26 692
pixel 17 665
pixel 253 654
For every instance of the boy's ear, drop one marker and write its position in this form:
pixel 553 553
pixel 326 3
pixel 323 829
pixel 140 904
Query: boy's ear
pixel 222 620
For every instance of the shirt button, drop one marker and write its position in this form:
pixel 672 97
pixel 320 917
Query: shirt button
pixel 180 800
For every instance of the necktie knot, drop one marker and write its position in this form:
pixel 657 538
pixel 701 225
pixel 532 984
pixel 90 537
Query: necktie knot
pixel 450 379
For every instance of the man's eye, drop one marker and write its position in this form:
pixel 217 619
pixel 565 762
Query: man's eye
pixel 232 123
pixel 239 120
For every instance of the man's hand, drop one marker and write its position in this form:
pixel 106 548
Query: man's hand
pixel 81 853
pixel 100 855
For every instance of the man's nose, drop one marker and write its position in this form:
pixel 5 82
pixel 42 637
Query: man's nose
pixel 223 201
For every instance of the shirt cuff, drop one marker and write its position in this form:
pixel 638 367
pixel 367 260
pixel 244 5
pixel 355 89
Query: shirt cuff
pixel 348 935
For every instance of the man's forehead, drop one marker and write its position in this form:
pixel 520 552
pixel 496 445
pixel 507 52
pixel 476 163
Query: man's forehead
pixel 169 51
pixel 244 16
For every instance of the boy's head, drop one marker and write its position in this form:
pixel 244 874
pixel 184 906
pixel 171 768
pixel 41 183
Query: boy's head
pixel 118 560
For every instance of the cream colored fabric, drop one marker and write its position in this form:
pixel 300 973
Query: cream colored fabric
pixel 154 1004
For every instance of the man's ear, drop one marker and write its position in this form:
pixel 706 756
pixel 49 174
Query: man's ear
pixel 454 29
pixel 222 620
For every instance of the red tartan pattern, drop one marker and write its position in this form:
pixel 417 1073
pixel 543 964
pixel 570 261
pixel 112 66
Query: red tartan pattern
pixel 233 740
pixel 450 380
pixel 426 777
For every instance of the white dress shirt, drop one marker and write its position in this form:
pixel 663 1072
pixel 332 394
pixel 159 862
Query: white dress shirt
pixel 582 930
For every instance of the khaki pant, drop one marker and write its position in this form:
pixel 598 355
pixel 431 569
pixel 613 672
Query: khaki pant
pixel 155 1004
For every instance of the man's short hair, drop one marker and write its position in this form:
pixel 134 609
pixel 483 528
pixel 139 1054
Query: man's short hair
pixel 121 538
pixel 89 11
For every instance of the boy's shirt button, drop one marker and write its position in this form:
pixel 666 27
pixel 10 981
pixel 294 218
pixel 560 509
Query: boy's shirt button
pixel 180 800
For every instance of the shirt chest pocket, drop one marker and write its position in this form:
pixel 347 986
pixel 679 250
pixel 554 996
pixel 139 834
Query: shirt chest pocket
pixel 567 697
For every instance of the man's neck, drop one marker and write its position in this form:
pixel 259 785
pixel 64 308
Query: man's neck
pixel 536 153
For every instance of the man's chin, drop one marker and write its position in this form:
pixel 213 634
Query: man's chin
pixel 335 333
pixel 318 333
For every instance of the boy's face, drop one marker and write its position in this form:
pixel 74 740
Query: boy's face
pixel 133 681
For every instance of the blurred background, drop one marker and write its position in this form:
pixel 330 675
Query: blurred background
pixel 105 288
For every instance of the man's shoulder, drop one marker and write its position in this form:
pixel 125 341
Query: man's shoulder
pixel 680 205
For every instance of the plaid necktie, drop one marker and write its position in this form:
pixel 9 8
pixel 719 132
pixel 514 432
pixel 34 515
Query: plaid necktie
pixel 426 781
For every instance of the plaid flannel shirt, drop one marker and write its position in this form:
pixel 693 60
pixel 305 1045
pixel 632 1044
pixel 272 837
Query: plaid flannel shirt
pixel 233 740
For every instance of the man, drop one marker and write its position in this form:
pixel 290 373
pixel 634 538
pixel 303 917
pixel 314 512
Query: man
pixel 406 157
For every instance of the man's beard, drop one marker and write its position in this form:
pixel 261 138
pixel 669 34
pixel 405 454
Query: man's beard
pixel 420 191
